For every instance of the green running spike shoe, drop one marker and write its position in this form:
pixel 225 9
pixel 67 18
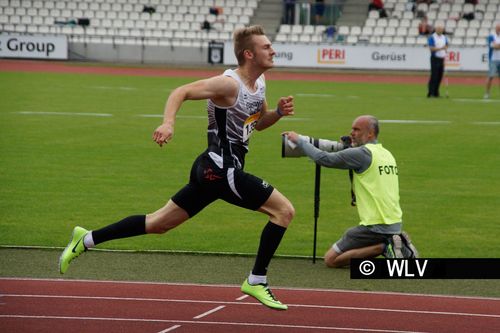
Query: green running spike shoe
pixel 73 250
pixel 263 294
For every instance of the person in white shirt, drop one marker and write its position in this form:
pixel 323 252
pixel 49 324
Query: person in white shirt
pixel 493 59
pixel 438 44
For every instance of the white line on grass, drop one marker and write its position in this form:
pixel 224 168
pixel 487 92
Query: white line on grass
pixel 114 88
pixel 401 121
pixel 205 117
pixel 223 323
pixel 486 122
pixel 177 116
pixel 312 306
pixel 219 253
pixel 326 96
pixel 315 95
pixel 45 113
pixel 475 100
pixel 387 121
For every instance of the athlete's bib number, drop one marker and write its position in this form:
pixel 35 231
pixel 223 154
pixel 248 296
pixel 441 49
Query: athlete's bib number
pixel 249 126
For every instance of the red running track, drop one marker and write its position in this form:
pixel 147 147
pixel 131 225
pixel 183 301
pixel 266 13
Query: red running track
pixel 39 305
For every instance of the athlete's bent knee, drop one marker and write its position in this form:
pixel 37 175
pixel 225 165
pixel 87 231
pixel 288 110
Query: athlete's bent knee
pixel 157 227
pixel 286 214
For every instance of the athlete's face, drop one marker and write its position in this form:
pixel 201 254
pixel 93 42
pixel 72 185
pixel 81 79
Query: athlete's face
pixel 263 53
pixel 497 29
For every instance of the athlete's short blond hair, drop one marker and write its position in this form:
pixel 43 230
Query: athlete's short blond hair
pixel 242 39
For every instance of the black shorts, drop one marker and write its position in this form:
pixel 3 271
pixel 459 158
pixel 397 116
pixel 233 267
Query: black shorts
pixel 208 183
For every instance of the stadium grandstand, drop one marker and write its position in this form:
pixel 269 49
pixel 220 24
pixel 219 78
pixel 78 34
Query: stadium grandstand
pixel 466 24
pixel 194 22
pixel 149 22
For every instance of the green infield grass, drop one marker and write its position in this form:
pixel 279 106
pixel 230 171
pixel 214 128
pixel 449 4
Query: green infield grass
pixel 76 149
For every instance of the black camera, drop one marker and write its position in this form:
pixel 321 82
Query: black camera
pixel 289 149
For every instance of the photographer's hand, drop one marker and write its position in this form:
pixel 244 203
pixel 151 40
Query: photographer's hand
pixel 346 141
pixel 292 136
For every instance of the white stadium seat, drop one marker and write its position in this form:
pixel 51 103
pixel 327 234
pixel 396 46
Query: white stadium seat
pixel 390 31
pixel 352 39
pixel 398 40
pixel 355 31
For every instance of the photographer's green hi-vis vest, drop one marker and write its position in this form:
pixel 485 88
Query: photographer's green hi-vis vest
pixel 377 189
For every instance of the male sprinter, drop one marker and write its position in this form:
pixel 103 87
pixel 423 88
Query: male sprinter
pixel 236 106
pixel 376 186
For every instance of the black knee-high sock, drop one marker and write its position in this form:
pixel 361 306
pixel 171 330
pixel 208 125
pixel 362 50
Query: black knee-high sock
pixel 128 227
pixel 269 241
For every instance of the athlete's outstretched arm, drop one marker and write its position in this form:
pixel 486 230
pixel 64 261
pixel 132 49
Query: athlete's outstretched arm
pixel 269 118
pixel 221 89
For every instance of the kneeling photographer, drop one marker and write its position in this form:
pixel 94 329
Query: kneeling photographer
pixel 375 186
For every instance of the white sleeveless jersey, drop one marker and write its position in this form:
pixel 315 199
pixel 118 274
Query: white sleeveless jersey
pixel 230 128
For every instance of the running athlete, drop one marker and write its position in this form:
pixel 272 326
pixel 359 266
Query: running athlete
pixel 236 107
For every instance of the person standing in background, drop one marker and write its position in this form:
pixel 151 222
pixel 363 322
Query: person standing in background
pixel 438 44
pixel 319 11
pixel 493 59
pixel 289 17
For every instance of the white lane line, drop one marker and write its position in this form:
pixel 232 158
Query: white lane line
pixel 170 329
pixel 205 117
pixel 475 100
pixel 315 95
pixel 402 121
pixel 204 314
pixel 312 306
pixel 327 96
pixel 486 122
pixel 65 113
pixel 328 291
pixel 223 323
pixel 387 121
pixel 115 88
pixel 242 297
pixel 294 119
pixel 177 116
